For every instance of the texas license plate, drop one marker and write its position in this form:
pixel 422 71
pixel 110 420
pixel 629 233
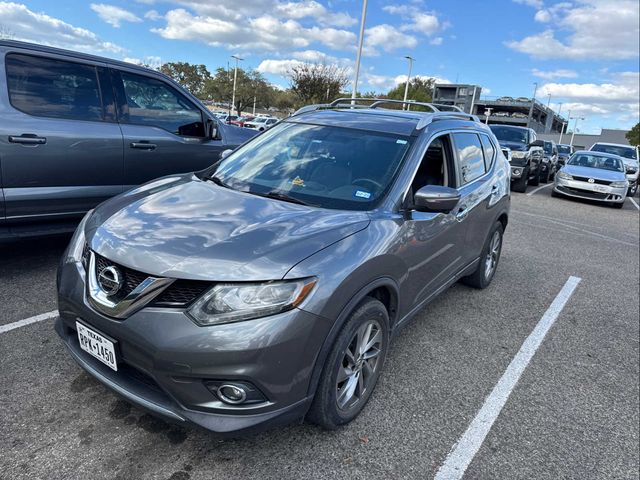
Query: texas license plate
pixel 97 345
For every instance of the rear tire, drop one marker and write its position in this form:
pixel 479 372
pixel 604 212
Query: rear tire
pixel 353 366
pixel 535 181
pixel 489 259
pixel 520 185
pixel 545 178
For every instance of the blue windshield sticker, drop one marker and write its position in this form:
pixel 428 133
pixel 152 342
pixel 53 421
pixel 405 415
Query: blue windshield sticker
pixel 401 142
pixel 362 194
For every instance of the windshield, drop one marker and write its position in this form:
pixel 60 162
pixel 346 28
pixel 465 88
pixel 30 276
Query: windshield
pixel 328 167
pixel 564 149
pixel 506 134
pixel 620 150
pixel 547 147
pixel 597 161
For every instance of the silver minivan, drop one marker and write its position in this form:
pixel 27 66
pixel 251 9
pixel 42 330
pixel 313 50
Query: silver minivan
pixel 76 129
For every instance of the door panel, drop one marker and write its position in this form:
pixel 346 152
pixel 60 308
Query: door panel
pixel 59 157
pixel 163 131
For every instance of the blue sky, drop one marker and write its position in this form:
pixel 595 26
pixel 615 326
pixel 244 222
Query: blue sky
pixel 585 53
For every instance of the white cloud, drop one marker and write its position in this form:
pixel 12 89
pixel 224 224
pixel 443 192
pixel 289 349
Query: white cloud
pixel 153 15
pixel 262 32
pixel 552 74
pixel 417 20
pixel 542 16
pixel 619 96
pixel 531 3
pixel 30 26
pixel 113 15
pixel 436 41
pixel 387 38
pixel 278 67
pixel 283 66
pixel 600 29
pixel 311 8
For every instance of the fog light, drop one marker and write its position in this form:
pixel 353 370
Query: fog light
pixel 232 394
pixel 517 172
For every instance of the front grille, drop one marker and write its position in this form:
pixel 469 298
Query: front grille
pixel 631 170
pixel 586 179
pixel 180 293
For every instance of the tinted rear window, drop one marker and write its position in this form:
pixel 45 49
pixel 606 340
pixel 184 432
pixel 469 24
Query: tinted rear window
pixel 53 88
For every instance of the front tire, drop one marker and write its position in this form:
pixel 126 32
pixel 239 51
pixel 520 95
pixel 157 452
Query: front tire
pixel 632 190
pixel 618 205
pixel 489 259
pixel 535 181
pixel 352 367
pixel 547 175
pixel 520 185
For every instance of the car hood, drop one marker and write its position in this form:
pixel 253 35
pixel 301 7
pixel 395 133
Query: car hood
pixel 185 227
pixel 597 173
pixel 515 146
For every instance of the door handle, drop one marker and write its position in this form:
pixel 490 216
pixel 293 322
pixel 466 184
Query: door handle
pixel 27 139
pixel 143 145
pixel 462 214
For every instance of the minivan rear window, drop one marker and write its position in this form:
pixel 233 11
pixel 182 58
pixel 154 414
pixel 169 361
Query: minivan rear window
pixel 48 87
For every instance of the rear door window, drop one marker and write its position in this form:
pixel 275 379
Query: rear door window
pixel 47 87
pixel 154 103
pixel 489 152
pixel 470 156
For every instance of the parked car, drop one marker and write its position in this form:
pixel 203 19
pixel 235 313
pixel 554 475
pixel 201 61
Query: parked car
pixel 77 129
pixel 501 114
pixel 549 164
pixel 519 115
pixel 261 123
pixel 564 153
pixel 630 158
pixel 593 176
pixel 505 99
pixel 526 154
pixel 523 99
pixel 240 121
pixel 267 288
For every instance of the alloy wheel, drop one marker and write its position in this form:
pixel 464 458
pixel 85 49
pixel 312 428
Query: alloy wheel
pixel 359 365
pixel 493 254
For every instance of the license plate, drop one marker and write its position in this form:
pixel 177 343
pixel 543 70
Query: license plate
pixel 601 189
pixel 97 345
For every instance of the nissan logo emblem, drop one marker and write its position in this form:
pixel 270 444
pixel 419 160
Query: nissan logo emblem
pixel 591 180
pixel 110 280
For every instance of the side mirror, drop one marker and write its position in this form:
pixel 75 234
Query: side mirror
pixel 212 129
pixel 435 198
pixel 537 143
pixel 225 153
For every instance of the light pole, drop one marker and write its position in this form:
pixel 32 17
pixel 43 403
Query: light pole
pixel 487 112
pixel 563 125
pixel 406 87
pixel 363 19
pixel 254 106
pixel 575 125
pixel 235 78
pixel 533 102
pixel 548 100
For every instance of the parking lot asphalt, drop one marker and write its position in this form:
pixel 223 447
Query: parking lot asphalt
pixel 573 414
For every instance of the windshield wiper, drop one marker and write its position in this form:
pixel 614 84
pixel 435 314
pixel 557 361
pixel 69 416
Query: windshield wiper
pixel 281 196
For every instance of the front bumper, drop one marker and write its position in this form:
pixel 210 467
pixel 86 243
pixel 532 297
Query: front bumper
pixel 164 360
pixel 590 191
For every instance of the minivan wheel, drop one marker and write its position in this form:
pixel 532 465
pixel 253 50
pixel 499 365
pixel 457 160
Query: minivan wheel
pixel 352 367
pixel 489 259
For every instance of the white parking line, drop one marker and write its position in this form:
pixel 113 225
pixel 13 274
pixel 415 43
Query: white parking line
pixel 539 188
pixel 28 321
pixel 466 448
pixel 635 203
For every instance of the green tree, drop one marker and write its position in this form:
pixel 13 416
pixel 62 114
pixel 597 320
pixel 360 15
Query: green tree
pixel 317 82
pixel 633 135
pixel 191 77
pixel 420 90
pixel 250 85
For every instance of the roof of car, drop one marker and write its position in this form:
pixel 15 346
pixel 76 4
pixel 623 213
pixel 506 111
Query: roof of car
pixel 596 154
pixel 396 122
pixel 613 144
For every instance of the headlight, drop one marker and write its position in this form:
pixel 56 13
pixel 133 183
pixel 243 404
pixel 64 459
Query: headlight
pixel 564 176
pixel 618 184
pixel 76 245
pixel 235 302
pixel 516 154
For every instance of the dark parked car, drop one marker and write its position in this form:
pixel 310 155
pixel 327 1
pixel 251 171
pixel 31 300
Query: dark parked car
pixel 549 164
pixel 526 154
pixel 77 129
pixel 564 153
pixel 268 287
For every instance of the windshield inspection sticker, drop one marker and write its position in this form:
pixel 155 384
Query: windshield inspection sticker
pixel 298 182
pixel 362 194
pixel 401 142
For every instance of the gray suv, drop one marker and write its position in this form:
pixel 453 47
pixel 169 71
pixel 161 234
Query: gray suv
pixel 77 129
pixel 526 154
pixel 267 288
